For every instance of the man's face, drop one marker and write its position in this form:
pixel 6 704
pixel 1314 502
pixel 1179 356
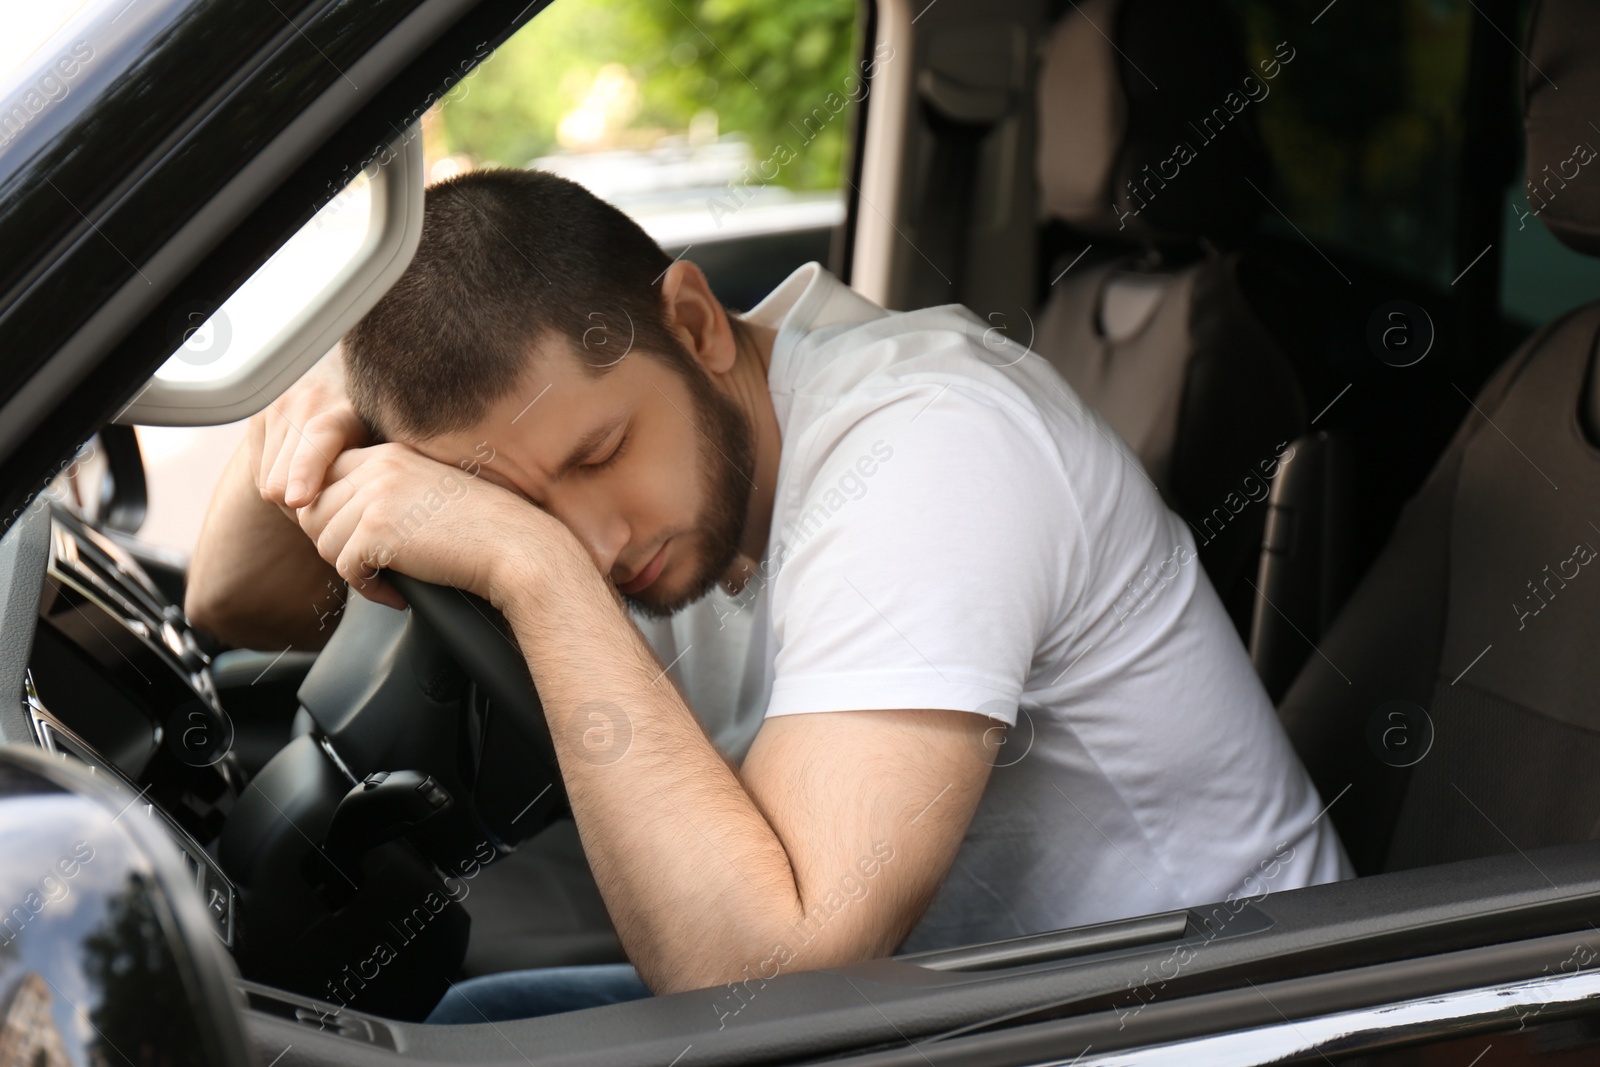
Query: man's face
pixel 650 467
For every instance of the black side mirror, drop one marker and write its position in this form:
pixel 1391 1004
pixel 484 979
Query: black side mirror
pixel 106 480
pixel 124 496
pixel 106 952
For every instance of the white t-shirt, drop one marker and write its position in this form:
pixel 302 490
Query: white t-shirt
pixel 953 528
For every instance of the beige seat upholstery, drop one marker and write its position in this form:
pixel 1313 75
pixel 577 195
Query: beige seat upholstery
pixel 1453 701
pixel 1148 314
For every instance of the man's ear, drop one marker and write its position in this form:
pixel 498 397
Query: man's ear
pixel 693 312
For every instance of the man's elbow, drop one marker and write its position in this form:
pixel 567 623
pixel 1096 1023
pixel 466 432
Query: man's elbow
pixel 746 976
pixel 207 611
pixel 220 609
pixel 794 948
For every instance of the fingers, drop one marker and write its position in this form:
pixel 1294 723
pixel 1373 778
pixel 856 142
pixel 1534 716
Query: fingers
pixel 274 428
pixel 347 541
pixel 295 436
pixel 352 459
pixel 368 513
pixel 300 434
pixel 344 522
pixel 378 589
pixel 329 520
pixel 315 451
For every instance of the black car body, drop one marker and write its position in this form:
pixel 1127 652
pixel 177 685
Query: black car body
pixel 197 136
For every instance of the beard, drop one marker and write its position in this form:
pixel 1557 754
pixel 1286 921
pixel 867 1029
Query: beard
pixel 727 463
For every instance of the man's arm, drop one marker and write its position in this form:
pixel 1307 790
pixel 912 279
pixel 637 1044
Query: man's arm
pixel 825 848
pixel 255 579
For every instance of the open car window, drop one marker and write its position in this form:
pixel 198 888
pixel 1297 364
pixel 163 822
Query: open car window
pixel 732 153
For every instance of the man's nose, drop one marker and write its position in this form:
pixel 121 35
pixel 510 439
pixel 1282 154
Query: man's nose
pixel 603 532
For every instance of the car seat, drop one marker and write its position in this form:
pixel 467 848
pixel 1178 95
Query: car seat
pixel 1453 708
pixel 1154 310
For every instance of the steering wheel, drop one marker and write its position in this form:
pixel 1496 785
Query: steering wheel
pixel 442 691
pixel 428 756
pixel 517 757
pixel 480 640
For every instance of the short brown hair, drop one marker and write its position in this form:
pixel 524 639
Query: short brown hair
pixel 507 258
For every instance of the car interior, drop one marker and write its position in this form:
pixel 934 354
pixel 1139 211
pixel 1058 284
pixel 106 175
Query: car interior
pixel 1345 319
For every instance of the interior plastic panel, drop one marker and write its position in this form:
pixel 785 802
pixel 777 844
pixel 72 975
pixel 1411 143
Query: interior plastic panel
pixel 1129 993
pixel 24 555
pixel 393 231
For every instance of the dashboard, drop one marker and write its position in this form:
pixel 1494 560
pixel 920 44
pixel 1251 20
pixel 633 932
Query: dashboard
pixel 116 680
pixel 358 784
pixel 309 839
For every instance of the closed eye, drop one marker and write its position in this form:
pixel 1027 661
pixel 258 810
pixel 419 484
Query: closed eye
pixel 616 454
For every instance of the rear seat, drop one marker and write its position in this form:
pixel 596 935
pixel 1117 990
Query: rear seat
pixel 1158 326
pixel 1452 707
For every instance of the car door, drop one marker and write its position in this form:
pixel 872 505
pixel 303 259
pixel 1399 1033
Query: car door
pixel 229 128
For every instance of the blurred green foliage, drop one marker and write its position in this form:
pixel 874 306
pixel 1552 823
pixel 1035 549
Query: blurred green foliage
pixel 758 65
pixel 1365 125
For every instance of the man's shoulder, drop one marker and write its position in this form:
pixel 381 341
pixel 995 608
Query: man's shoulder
pixel 858 367
pixel 927 381
pixel 920 456
pixel 954 408
pixel 862 364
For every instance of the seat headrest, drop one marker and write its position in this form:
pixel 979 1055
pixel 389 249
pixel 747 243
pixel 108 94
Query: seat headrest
pixel 1147 121
pixel 1563 125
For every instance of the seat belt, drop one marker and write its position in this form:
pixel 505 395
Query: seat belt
pixel 959 116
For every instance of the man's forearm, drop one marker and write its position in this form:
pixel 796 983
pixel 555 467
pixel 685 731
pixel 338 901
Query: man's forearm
pixel 255 579
pixel 696 881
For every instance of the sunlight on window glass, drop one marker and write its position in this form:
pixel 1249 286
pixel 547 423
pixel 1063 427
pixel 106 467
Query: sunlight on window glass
pixel 28 27
pixel 266 304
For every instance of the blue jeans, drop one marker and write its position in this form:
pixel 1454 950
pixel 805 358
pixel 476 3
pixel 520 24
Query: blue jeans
pixel 544 991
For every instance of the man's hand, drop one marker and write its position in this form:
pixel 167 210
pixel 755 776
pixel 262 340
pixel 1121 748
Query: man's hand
pixel 391 506
pixel 295 439
pixel 254 580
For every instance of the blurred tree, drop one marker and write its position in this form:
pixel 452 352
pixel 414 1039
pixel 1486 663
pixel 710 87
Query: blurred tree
pixel 143 1016
pixel 1365 125
pixel 760 67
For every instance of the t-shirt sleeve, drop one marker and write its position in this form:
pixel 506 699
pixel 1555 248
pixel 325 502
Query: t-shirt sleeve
pixel 924 562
